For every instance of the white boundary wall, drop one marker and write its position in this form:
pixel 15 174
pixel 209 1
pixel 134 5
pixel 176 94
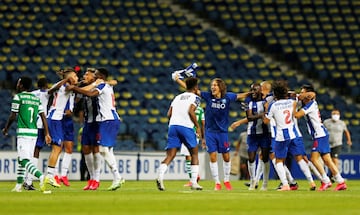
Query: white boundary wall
pixel 127 164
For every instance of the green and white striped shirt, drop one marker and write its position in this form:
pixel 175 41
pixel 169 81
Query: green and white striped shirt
pixel 28 106
pixel 200 116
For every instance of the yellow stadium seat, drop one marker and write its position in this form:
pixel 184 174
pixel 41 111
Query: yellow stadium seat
pixel 355 122
pixel 148 95
pixel 143 111
pixel 159 96
pixel 132 112
pixel 152 120
pixel 163 119
pixel 124 103
pixel 154 111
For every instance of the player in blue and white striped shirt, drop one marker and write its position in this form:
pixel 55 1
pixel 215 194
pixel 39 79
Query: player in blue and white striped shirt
pixel 109 121
pixel 321 146
pixel 287 136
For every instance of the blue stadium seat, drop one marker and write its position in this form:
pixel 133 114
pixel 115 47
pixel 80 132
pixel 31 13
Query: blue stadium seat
pixel 142 42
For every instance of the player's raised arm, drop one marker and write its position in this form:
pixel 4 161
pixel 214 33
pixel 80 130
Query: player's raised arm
pixel 237 123
pixel 307 96
pixel 177 79
pixel 57 85
pixel 76 89
pixel 240 96
pixel 179 75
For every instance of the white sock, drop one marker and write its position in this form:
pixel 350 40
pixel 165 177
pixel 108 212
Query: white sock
pixel 215 172
pixel 274 163
pixel 89 160
pixel 325 178
pixel 27 178
pixel 281 173
pixel 314 170
pixel 56 172
pixel 97 166
pixel 227 169
pixel 251 168
pixel 110 160
pixel 289 177
pixel 259 171
pixel 305 169
pixel 339 179
pixel 194 173
pixel 65 164
pixel 266 173
pixel 41 178
pixel 161 171
pixel 51 171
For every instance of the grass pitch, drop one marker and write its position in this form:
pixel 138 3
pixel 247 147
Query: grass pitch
pixel 142 197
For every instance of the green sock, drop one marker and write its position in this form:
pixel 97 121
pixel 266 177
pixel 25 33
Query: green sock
pixel 20 173
pixel 31 168
pixel 188 167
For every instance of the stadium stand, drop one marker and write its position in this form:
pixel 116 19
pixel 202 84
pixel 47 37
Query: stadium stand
pixel 141 42
pixel 318 38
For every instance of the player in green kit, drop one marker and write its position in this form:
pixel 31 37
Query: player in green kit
pixel 26 107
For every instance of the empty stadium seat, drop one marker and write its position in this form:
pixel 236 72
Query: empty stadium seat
pixel 142 42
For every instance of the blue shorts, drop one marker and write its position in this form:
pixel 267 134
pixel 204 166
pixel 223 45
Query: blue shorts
pixel 56 131
pixel 321 145
pixel 297 147
pixel 259 140
pixel 90 134
pixel 178 134
pixel 272 145
pixel 281 148
pixel 108 131
pixel 40 141
pixel 217 142
pixel 68 128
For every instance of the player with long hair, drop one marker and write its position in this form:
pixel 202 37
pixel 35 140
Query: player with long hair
pixel 216 127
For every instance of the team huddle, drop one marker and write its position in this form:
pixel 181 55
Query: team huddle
pixel 101 125
pixel 272 111
pixel 45 116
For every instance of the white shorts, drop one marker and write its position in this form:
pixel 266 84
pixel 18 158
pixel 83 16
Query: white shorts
pixel 26 147
pixel 184 151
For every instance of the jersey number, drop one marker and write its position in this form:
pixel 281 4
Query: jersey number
pixel 31 114
pixel 287 116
